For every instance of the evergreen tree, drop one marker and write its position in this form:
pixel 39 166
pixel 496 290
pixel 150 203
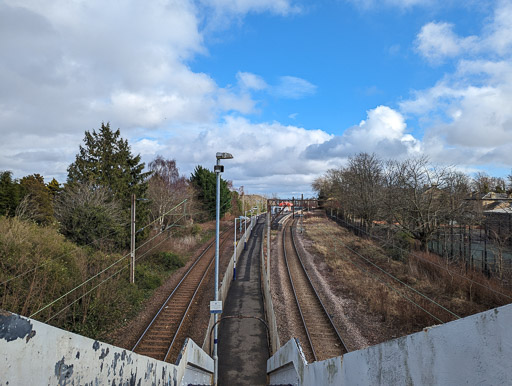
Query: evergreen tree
pixel 10 194
pixel 54 188
pixel 205 183
pixel 105 161
pixel 37 200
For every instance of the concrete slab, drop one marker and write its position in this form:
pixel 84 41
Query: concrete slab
pixel 243 343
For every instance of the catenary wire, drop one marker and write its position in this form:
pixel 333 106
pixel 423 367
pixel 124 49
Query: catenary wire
pixel 433 263
pixel 92 277
pixel 397 279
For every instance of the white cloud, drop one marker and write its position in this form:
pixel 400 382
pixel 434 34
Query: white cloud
pixel 264 153
pixel 467 114
pixel 242 7
pixel 383 133
pixel 249 81
pixel 437 41
pixel 69 65
pixel 402 4
pixel 293 87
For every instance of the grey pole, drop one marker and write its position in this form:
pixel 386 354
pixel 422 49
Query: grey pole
pixel 269 218
pixel 215 316
pixel 234 255
pixel 218 169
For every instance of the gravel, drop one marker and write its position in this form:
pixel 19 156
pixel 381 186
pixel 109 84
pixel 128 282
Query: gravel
pixel 358 327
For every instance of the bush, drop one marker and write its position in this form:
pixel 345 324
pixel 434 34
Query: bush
pixel 168 260
pixel 146 278
pixel 400 246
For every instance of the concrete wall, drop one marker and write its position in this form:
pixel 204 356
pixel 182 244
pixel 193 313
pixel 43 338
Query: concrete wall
pixel 34 353
pixel 267 301
pixel 472 350
pixel 226 282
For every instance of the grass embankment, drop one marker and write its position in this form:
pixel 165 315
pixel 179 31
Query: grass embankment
pixel 38 266
pixel 354 261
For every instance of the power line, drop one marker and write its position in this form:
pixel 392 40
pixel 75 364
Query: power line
pixel 47 262
pixel 108 278
pixel 79 286
pixel 397 279
pixel 163 215
pixel 58 257
pixel 96 275
pixel 394 289
pixel 431 262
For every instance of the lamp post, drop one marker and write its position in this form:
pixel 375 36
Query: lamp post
pixel 218 168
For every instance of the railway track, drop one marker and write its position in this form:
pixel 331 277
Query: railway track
pixel 163 337
pixel 320 338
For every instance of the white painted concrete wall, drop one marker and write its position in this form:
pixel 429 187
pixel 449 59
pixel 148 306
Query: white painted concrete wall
pixel 476 350
pixel 267 300
pixel 34 353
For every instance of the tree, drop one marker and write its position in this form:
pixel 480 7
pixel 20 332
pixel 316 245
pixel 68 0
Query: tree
pixel 166 189
pixel 88 214
pixel 54 188
pixel 483 184
pixel 363 178
pixel 10 194
pixel 420 198
pixel 37 200
pixel 204 181
pixel 105 161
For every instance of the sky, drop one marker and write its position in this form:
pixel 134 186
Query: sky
pixel 290 88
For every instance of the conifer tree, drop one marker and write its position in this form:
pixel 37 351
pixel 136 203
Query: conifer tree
pixel 205 183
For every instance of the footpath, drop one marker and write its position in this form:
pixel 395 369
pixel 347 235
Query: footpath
pixel 243 344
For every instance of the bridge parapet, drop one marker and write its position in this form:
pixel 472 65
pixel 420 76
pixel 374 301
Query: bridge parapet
pixel 475 350
pixel 35 353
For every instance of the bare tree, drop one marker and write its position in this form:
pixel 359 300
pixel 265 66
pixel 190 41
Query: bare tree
pixel 483 184
pixel 167 188
pixel 363 186
pixel 421 198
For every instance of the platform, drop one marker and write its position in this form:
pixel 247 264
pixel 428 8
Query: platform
pixel 243 343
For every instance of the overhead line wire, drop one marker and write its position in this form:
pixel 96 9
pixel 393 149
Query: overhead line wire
pixel 58 257
pixel 433 263
pixel 108 278
pixel 394 289
pixel 398 280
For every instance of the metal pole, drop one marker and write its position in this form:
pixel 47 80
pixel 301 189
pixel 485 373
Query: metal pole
pixel 132 242
pixel 268 243
pixel 234 256
pixel 215 316
pixel 245 230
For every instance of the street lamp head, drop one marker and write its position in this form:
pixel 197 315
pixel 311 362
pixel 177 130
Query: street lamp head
pixel 224 156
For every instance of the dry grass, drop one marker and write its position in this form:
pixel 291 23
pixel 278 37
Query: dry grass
pixel 382 294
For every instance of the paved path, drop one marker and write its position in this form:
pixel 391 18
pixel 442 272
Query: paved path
pixel 243 345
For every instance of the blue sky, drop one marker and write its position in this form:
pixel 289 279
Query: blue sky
pixel 291 88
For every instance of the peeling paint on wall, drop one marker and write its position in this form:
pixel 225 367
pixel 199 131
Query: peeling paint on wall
pixel 14 327
pixel 58 357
